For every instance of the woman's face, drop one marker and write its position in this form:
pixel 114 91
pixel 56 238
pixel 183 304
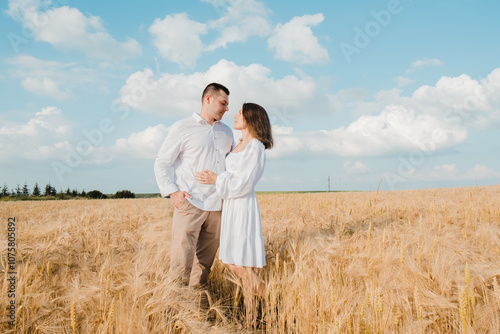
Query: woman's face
pixel 239 121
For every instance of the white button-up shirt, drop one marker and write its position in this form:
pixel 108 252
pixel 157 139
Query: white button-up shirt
pixel 193 145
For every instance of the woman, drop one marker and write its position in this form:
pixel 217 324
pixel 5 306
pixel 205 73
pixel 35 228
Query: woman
pixel 241 241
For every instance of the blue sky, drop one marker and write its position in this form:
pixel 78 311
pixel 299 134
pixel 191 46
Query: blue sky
pixel 405 94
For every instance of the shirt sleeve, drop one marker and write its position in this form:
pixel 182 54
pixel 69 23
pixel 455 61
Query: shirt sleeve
pixel 168 154
pixel 242 181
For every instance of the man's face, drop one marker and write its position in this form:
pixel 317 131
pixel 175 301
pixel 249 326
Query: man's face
pixel 218 104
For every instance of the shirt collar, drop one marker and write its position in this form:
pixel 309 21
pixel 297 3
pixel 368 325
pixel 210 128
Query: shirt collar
pixel 201 120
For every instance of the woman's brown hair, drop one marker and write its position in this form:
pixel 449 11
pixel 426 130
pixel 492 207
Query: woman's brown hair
pixel 258 123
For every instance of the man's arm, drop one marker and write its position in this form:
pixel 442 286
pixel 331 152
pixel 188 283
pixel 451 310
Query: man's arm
pixel 168 154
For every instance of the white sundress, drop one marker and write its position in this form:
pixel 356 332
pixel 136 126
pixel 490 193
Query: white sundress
pixel 241 240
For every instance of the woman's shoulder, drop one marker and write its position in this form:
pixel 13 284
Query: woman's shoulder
pixel 257 144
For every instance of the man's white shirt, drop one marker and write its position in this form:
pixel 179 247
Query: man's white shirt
pixel 193 145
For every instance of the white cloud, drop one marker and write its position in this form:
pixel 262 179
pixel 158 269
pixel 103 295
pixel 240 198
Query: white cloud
pixel 433 117
pixel 144 144
pixel 347 98
pixel 445 172
pixel 49 135
pixel 459 100
pixel 295 42
pixel 241 19
pixel 68 28
pixel 356 168
pixel 286 144
pixel 418 64
pixel 177 38
pixel 138 145
pixel 34 67
pixel 45 86
pixel 402 81
pixel 394 130
pixel 54 79
pixel 390 124
pixel 180 94
pixel 452 173
pixel 49 119
pixel 479 172
pixel 41 137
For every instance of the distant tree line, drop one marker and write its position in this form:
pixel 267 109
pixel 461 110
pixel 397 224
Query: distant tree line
pixel 50 192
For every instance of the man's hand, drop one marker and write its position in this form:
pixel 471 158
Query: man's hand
pixel 178 198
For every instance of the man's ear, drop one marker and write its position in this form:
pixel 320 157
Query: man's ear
pixel 208 98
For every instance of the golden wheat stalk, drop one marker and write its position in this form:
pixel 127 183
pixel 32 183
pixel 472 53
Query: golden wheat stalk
pixel 73 318
pixel 111 314
pixel 463 310
pixel 418 307
pixel 496 289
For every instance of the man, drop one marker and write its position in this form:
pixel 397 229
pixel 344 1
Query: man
pixel 194 144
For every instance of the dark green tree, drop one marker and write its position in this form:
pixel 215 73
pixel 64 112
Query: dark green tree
pixel 5 191
pixel 124 194
pixel 96 194
pixel 50 191
pixel 26 191
pixel 36 190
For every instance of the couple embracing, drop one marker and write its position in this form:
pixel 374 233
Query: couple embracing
pixel 212 189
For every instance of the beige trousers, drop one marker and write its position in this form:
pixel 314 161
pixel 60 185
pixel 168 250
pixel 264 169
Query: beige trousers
pixel 195 240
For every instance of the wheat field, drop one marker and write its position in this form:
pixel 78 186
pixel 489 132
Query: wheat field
pixel 421 261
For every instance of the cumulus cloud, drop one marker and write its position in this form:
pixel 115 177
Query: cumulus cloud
pixel 180 94
pixel 432 118
pixel 49 135
pixel 394 130
pixel 68 28
pixel 138 145
pixel 43 136
pixel 295 42
pixel 49 119
pixel 143 144
pixel 240 20
pixel 177 38
pixel 460 100
pixel 390 124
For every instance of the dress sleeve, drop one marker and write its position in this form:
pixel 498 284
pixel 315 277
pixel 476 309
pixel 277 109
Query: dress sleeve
pixel 242 181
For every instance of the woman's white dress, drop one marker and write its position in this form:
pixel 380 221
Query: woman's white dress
pixel 241 240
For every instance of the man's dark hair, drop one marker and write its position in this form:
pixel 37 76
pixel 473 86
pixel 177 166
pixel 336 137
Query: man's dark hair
pixel 214 89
